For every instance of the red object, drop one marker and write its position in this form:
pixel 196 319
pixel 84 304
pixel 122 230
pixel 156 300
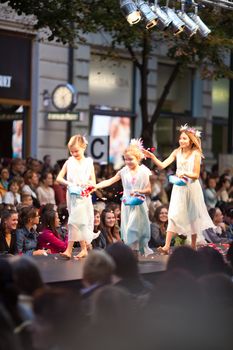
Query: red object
pixel 87 191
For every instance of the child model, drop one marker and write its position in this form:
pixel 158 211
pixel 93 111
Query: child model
pixel 79 173
pixel 187 211
pixel 135 226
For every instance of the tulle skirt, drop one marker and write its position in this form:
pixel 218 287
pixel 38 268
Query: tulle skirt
pixel 187 213
pixel 81 219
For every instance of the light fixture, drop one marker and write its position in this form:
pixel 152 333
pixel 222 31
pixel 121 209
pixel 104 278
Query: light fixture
pixel 177 24
pixel 148 14
pixel 130 11
pixel 203 30
pixel 46 98
pixel 190 26
pixel 163 21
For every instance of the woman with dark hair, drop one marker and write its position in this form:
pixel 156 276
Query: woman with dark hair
pixel 99 241
pixel 12 196
pixel 109 226
pixel 159 226
pixel 127 274
pixel 50 237
pixel 26 234
pixel 9 222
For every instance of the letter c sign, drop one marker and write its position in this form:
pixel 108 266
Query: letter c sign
pixel 98 148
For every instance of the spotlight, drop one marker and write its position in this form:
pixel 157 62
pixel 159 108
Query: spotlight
pixel 202 27
pixel 163 21
pixel 130 11
pixel 190 26
pixel 177 24
pixel 150 17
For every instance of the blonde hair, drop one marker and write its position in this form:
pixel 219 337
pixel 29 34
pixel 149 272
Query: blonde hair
pixel 77 140
pixel 196 141
pixel 135 151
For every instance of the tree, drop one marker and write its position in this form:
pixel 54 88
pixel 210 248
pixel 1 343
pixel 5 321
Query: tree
pixel 94 15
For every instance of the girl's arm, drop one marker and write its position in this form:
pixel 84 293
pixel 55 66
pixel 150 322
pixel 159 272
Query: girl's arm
pixel 61 175
pixel 108 182
pixel 146 190
pixel 194 175
pixel 92 180
pixel 158 163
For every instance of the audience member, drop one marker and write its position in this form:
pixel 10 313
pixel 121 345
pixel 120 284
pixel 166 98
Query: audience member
pixel 8 225
pixel 26 233
pixel 50 238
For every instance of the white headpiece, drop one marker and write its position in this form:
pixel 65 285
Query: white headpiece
pixel 137 142
pixel 194 131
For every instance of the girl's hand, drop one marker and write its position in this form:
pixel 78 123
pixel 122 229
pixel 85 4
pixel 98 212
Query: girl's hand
pixel 148 154
pixel 134 193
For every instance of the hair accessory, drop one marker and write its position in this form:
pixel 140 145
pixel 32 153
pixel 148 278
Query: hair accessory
pixel 137 142
pixel 194 131
pixel 85 140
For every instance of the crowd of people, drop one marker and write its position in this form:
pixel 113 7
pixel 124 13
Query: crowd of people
pixel 42 212
pixel 188 306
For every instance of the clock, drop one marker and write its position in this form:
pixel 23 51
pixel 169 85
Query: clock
pixel 64 97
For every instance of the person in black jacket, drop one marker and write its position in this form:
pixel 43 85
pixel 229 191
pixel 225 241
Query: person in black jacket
pixel 8 225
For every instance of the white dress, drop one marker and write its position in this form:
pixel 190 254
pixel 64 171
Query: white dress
pixel 135 225
pixel 81 212
pixel 187 212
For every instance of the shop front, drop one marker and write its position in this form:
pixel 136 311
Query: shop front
pixel 15 94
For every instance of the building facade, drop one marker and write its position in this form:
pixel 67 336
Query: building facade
pixel 108 94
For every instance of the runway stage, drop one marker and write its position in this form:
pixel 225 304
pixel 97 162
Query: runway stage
pixel 58 271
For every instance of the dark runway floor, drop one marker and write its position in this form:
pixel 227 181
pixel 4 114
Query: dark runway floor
pixel 57 270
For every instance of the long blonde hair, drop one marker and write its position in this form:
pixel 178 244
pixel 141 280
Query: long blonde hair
pixel 196 141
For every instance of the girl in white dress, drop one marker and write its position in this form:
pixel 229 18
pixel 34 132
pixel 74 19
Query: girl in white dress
pixel 79 172
pixel 135 225
pixel 187 213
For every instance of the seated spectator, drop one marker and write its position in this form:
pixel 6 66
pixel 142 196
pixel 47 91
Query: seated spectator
pixel 99 240
pixel 47 166
pixel 109 227
pixel 116 208
pixel 97 271
pixel 212 261
pixel 4 177
pixel 8 225
pixel 159 227
pixel 210 193
pixel 50 238
pixel 223 188
pixel 113 320
pixel 9 300
pixel 26 200
pixel 187 259
pixel 31 180
pixel 58 322
pixel 12 196
pixel 17 167
pixel 26 234
pixel 127 275
pixel 217 234
pixel 45 191
pixel 27 279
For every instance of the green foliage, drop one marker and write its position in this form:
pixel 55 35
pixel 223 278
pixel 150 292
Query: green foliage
pixel 68 19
